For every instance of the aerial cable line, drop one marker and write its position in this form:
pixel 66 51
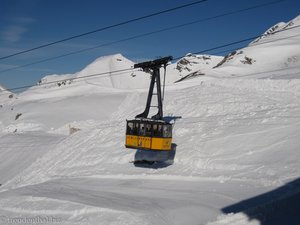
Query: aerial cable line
pixel 247 39
pixel 111 73
pixel 142 35
pixel 238 42
pixel 105 28
pixel 218 47
pixel 125 70
pixel 103 74
pixel 122 71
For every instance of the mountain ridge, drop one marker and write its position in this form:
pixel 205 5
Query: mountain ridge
pixel 274 49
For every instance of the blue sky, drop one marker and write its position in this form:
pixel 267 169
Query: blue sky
pixel 25 24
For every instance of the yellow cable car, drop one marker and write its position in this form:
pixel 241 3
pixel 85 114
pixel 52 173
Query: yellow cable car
pixel 149 135
pixel 152 137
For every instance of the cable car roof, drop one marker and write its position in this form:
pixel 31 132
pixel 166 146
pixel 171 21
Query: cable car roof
pixel 146 120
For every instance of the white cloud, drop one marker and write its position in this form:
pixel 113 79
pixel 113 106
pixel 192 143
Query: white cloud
pixel 13 33
pixel 16 27
pixel 23 20
pixel 6 66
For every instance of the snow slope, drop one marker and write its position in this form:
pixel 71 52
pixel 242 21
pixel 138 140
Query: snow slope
pixel 6 97
pixel 1 88
pixel 277 50
pixel 237 140
pixel 191 65
pixel 240 135
pixel 4 94
pixel 128 79
pixel 122 80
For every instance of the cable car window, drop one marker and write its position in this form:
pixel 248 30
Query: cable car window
pixel 129 128
pixel 157 130
pixel 142 130
pixel 135 128
pixel 170 130
pixel 167 131
pixel 148 130
pixel 154 128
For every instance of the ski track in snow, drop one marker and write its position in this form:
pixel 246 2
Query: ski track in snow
pixel 132 100
pixel 220 142
pixel 208 133
pixel 161 202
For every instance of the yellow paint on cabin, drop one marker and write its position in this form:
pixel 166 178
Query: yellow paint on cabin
pixel 154 143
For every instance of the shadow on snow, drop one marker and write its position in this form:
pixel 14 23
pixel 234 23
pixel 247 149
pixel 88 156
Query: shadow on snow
pixel 154 159
pixel 276 207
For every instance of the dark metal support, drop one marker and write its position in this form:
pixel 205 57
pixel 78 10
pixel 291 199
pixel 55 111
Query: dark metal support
pixel 149 98
pixel 159 114
pixel 165 71
pixel 154 68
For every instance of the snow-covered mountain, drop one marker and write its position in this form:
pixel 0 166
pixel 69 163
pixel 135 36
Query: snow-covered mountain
pixel 5 96
pixel 129 79
pixel 276 50
pixel 237 139
pixel 3 90
pixel 191 65
pixel 123 80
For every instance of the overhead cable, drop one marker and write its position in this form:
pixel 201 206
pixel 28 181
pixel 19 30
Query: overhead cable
pixel 104 28
pixel 122 71
pixel 141 35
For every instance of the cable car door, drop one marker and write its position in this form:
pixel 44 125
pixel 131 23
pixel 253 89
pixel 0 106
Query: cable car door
pixel 144 138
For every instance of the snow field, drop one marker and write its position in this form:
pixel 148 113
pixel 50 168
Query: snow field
pixel 232 132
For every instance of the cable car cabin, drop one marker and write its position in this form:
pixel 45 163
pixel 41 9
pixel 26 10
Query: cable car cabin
pixel 149 134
